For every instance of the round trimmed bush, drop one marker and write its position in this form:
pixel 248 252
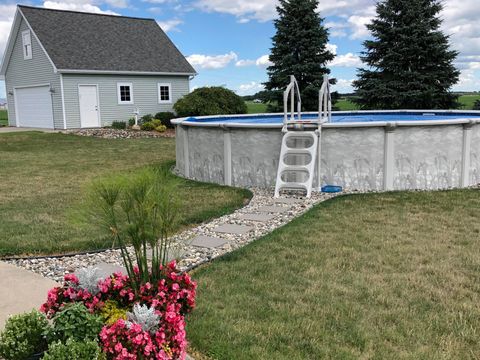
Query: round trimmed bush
pixel 210 101
pixel 23 336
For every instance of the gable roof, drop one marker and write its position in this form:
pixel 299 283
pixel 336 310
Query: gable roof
pixel 85 42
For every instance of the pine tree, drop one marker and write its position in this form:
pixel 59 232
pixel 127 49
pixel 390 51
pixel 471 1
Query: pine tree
pixel 410 63
pixel 299 49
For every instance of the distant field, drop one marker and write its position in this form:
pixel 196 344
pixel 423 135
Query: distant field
pixel 345 104
pixel 467 101
pixel 254 108
pixel 3 118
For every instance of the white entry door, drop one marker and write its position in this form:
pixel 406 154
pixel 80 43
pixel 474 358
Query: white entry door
pixel 89 112
pixel 33 106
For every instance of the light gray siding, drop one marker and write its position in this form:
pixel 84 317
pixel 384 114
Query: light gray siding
pixel 145 95
pixel 35 71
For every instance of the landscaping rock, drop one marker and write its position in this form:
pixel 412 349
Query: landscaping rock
pixel 107 133
pixel 188 254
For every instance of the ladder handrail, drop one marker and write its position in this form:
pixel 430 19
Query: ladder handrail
pixel 292 90
pixel 325 101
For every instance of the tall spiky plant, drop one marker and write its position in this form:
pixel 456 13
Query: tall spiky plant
pixel 142 211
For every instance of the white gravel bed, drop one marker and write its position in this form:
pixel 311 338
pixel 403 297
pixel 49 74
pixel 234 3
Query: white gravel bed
pixel 188 256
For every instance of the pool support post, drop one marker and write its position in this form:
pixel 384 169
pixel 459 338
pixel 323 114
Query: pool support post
pixel 466 149
pixel 389 157
pixel 227 157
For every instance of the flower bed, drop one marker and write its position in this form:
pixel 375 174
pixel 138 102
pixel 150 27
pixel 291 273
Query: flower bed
pixel 122 338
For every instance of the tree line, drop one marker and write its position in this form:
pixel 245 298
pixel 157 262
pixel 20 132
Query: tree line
pixel 408 61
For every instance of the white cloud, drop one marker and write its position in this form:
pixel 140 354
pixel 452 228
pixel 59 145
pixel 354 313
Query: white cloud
pixel 77 6
pixel 332 48
pixel 261 10
pixel 170 25
pixel 250 88
pixel 211 61
pixel 7 13
pixel 343 86
pixel 346 60
pixel 243 63
pixel 263 61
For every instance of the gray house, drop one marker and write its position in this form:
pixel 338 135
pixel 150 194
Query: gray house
pixel 66 69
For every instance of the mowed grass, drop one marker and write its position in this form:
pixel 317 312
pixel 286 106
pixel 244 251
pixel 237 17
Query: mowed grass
pixel 3 118
pixel 374 276
pixel 44 177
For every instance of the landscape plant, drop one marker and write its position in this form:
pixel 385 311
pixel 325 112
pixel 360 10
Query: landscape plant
pixel 23 336
pixel 300 49
pixel 119 125
pixel 213 100
pixel 165 117
pixel 75 322
pixel 141 211
pixel 74 350
pixel 409 62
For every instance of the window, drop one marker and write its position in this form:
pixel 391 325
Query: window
pixel 125 93
pixel 164 93
pixel 27 45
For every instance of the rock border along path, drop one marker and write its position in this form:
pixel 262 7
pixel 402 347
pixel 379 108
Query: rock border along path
pixel 198 245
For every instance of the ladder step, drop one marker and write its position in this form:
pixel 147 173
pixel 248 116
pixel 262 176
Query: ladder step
pixel 290 168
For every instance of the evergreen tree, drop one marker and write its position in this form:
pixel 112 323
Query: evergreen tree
pixel 410 64
pixel 299 49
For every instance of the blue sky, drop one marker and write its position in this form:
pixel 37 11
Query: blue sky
pixel 228 41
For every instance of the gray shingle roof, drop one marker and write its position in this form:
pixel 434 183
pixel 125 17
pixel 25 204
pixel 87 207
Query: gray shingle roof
pixel 84 41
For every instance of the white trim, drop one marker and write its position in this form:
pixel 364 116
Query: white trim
pixel 114 72
pixel 99 113
pixel 120 102
pixel 38 41
pixel 63 103
pixel 169 101
pixel 26 55
pixel 17 121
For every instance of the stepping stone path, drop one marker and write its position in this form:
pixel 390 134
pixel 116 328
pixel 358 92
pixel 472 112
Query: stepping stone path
pixel 274 209
pixel 233 229
pixel 207 242
pixel 200 244
pixel 257 217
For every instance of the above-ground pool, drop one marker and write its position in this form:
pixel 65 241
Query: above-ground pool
pixel 363 150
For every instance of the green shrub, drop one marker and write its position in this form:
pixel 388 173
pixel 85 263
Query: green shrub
pixel 210 101
pixel 131 122
pixel 165 117
pixel 120 125
pixel 147 126
pixel 146 118
pixel 75 322
pixel 88 350
pixel 476 105
pixel 161 128
pixel 23 336
pixel 156 122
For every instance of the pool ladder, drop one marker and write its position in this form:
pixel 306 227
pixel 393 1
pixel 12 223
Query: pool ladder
pixel 300 149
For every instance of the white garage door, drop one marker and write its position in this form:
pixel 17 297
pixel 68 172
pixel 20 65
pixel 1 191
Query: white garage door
pixel 34 107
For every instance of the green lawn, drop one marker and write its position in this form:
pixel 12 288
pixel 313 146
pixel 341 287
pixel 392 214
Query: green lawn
pixel 44 177
pixel 3 118
pixel 467 101
pixel 375 276
pixel 254 108
pixel 346 104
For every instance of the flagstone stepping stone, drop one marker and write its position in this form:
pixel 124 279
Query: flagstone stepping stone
pixel 288 201
pixel 257 217
pixel 207 241
pixel 233 229
pixel 106 269
pixel 172 254
pixel 274 209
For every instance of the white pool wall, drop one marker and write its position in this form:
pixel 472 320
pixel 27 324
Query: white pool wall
pixel 408 155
